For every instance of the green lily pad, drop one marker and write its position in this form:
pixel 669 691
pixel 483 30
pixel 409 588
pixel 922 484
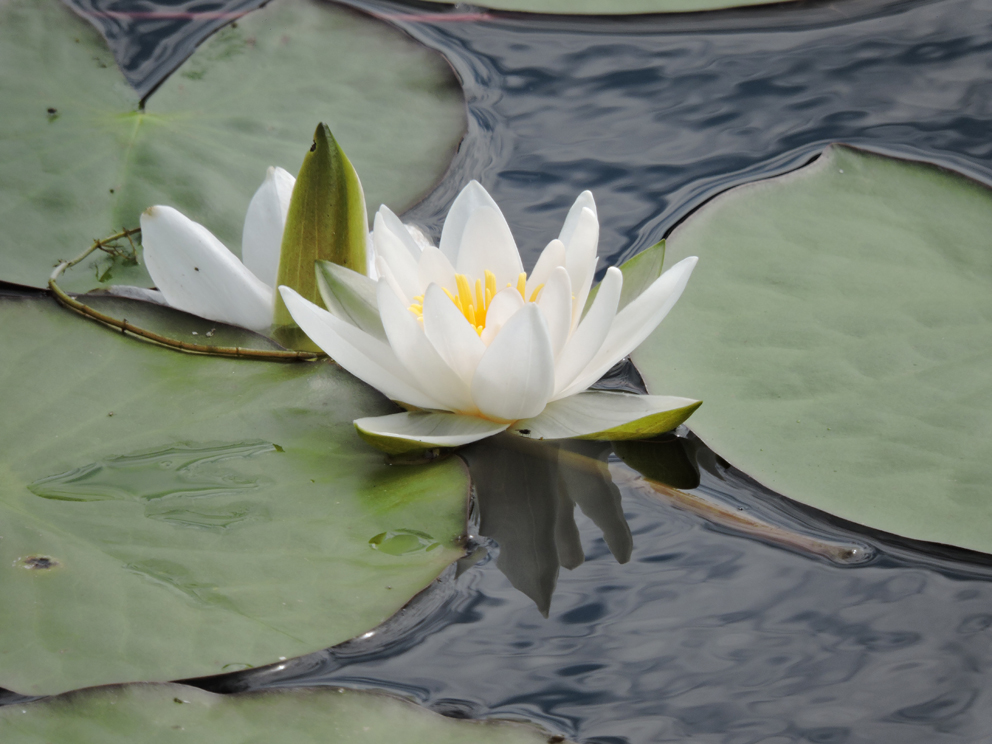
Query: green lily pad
pixel 166 515
pixel 176 324
pixel 81 160
pixel 839 327
pixel 156 714
pixel 618 7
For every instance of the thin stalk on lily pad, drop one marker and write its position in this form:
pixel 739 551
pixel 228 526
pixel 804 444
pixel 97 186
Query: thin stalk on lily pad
pixel 107 245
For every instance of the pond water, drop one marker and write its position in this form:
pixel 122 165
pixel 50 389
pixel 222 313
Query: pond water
pixel 720 627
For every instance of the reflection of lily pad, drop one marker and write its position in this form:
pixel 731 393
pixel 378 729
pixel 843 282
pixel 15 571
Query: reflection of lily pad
pixel 193 512
pixel 617 7
pixel 839 326
pixel 169 713
pixel 80 160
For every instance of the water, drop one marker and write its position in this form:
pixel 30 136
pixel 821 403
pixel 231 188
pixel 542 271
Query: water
pixel 657 114
pixel 706 633
pixel 737 616
pixel 151 38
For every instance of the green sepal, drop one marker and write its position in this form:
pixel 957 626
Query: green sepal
pixel 395 446
pixel 646 427
pixel 327 221
pixel 350 296
pixel 638 274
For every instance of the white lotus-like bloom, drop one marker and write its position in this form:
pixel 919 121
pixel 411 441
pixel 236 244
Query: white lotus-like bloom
pixel 196 273
pixel 463 334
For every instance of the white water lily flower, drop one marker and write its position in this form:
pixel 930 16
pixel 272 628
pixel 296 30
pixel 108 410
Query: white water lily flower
pixel 466 336
pixel 196 273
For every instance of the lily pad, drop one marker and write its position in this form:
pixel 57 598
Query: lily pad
pixel 839 327
pixel 170 713
pixel 82 160
pixel 167 515
pixel 618 7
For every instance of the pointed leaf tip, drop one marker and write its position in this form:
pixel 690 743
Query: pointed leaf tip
pixel 326 221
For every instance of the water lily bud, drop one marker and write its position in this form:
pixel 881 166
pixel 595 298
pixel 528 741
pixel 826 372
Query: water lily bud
pixel 327 221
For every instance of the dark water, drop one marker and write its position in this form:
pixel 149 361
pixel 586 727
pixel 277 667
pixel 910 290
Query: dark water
pixel 716 629
pixel 151 38
pixel 705 635
pixel 657 114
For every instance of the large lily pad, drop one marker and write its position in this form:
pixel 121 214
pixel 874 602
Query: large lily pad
pixel 165 516
pixel 80 160
pixel 618 7
pixel 172 713
pixel 839 327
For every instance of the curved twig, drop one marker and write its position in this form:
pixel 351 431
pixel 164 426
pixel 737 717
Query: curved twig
pixel 150 336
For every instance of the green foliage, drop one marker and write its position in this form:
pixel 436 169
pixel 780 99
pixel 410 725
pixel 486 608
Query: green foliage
pixel 837 326
pixel 247 99
pixel 618 7
pixel 167 515
pixel 161 714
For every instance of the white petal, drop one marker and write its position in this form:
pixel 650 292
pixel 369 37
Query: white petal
pixel 419 236
pixel 606 415
pixel 418 355
pixel 451 334
pixel 555 302
pixel 635 323
pixel 435 268
pixel 580 259
pixel 261 238
pixel 468 200
pixel 136 293
pixel 196 273
pixel 488 244
pixel 551 258
pixel 516 375
pixel 405 432
pixel 503 307
pixel 371 271
pixel 386 275
pixel 366 358
pixel 401 232
pixel 588 338
pixel 392 249
pixel 583 201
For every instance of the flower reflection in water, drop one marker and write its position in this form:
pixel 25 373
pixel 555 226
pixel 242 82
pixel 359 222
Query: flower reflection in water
pixel 526 493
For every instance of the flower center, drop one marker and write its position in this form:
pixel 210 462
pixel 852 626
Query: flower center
pixel 474 302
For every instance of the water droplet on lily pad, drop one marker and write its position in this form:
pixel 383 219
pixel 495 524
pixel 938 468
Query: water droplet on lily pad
pixel 403 542
pixel 181 470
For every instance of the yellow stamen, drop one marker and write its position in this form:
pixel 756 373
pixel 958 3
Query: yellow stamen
pixel 474 298
pixel 464 293
pixel 480 298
